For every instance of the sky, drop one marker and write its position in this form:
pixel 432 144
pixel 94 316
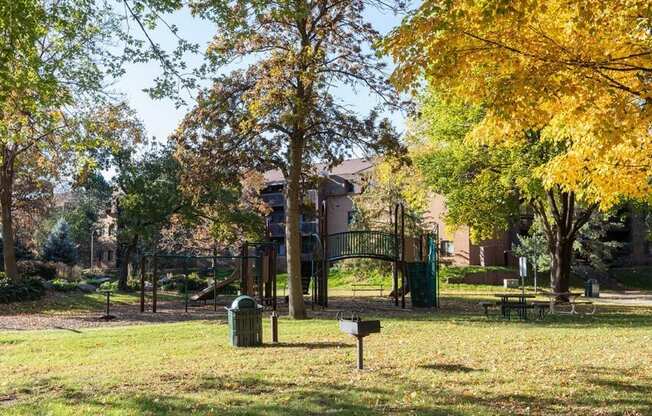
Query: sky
pixel 160 117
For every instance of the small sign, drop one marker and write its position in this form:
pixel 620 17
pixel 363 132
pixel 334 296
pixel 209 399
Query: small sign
pixel 522 267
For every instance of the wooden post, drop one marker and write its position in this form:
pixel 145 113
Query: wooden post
pixel 143 260
pixel 185 283
pixel 403 265
pixel 396 255
pixel 274 326
pixel 272 260
pixel 360 353
pixel 324 272
pixel 264 277
pixel 244 272
pixel 154 283
pixel 215 277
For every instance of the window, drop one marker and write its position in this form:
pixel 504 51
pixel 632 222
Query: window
pixel 447 248
pixel 109 255
pixel 281 249
pixel 350 188
pixel 277 216
pixel 350 218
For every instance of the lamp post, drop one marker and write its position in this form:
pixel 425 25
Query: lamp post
pixel 93 232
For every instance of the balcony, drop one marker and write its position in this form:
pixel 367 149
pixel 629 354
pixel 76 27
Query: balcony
pixel 277 229
pixel 274 199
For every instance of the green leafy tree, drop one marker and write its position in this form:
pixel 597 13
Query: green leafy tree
pixel 92 198
pixel 148 196
pixel 280 111
pixel 56 59
pixel 533 246
pixel 59 245
pixel 594 250
pixel 488 186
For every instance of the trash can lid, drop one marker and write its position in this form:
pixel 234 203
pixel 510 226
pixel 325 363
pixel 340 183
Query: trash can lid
pixel 244 302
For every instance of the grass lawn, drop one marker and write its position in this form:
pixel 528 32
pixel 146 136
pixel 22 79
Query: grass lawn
pixel 450 362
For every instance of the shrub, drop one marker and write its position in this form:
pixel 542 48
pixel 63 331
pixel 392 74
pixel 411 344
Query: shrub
pixel 195 283
pixel 62 285
pixel 133 282
pixel 27 288
pixel 36 268
pixel 112 286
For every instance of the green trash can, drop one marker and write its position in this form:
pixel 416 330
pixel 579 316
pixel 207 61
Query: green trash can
pixel 245 322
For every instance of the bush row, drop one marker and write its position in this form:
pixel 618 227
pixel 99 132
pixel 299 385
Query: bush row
pixel 36 268
pixel 27 288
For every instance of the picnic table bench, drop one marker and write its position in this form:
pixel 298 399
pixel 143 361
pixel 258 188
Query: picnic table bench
pixel 507 305
pixel 367 288
pixel 573 301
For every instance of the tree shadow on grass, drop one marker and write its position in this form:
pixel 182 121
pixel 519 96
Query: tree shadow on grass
pixel 243 397
pixel 309 345
pixel 449 368
pixel 234 395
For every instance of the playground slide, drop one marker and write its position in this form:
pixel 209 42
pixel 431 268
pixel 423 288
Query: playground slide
pixel 207 293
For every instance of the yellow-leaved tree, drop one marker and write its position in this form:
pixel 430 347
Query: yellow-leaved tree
pixel 577 72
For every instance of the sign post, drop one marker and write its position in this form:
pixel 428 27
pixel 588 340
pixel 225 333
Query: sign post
pixel 522 271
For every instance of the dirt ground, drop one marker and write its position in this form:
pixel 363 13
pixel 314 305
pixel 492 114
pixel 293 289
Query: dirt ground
pixel 174 311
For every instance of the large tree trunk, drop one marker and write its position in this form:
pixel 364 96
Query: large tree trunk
pixel 562 221
pixel 297 307
pixel 8 243
pixel 561 255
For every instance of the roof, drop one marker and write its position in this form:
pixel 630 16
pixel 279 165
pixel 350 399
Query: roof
pixel 346 168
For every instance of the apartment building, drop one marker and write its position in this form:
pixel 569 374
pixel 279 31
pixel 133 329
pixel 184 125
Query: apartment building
pixel 338 186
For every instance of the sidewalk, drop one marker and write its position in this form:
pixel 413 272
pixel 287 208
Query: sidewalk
pixel 627 297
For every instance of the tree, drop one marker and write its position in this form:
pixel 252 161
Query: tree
pixel 534 246
pixel 59 246
pixel 280 112
pixel 488 187
pixel 56 57
pixel 394 180
pixel 148 196
pixel 578 73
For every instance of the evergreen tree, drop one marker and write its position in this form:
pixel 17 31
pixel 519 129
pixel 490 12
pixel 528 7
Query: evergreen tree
pixel 59 245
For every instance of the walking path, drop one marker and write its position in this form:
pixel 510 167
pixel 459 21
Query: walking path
pixel 627 297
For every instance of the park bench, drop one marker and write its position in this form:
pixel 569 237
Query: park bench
pixel 573 301
pixel 367 288
pixel 573 307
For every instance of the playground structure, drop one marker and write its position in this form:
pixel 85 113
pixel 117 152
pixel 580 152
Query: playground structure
pixel 254 270
pixel 414 258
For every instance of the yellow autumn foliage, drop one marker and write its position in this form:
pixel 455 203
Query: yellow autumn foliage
pixel 579 71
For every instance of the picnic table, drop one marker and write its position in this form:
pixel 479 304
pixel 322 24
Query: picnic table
pixel 573 302
pixel 520 305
